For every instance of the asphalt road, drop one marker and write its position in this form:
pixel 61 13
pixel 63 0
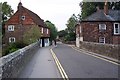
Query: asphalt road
pixel 79 65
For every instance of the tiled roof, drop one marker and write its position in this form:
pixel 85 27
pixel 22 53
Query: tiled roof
pixel 113 15
pixel 35 17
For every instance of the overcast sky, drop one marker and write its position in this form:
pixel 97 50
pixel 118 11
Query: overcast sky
pixel 56 11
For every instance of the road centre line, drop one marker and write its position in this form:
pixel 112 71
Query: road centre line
pixel 96 56
pixel 60 68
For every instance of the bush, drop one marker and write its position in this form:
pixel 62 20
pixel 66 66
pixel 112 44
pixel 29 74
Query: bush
pixel 13 47
pixel 70 37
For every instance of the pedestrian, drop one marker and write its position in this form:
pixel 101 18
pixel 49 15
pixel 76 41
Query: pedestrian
pixel 55 42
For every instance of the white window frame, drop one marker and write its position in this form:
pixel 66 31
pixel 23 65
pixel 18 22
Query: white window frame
pixel 118 28
pixel 42 30
pixel 23 17
pixel 102 40
pixel 102 27
pixel 11 38
pixel 11 27
pixel 47 31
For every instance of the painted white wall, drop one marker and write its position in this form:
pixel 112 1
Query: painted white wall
pixel 81 38
pixel 77 42
pixel 40 42
pixel 47 42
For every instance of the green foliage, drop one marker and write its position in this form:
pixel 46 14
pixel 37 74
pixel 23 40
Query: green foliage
pixel 70 36
pixel 7 12
pixel 13 47
pixel 62 33
pixel 31 35
pixel 53 30
pixel 71 24
pixel 86 11
pixel 90 7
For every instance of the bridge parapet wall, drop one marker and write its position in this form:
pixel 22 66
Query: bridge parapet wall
pixel 12 64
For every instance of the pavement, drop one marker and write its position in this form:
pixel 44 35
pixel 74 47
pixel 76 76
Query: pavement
pixel 80 65
pixel 42 65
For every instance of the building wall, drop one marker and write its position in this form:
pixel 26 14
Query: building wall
pixel 18 32
pixel 21 26
pixel 91 32
pixel 44 34
pixel 44 42
pixel 116 39
pixel 77 35
pixel 16 18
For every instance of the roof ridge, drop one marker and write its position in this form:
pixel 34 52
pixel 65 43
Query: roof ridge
pixel 113 15
pixel 35 18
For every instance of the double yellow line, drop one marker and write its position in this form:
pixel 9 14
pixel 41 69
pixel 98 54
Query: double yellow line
pixel 60 68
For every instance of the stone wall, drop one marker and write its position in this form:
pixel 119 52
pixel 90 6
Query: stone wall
pixel 103 49
pixel 12 64
pixel 70 42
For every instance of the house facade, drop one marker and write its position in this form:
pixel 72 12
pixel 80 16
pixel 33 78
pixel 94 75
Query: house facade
pixel 103 26
pixel 22 21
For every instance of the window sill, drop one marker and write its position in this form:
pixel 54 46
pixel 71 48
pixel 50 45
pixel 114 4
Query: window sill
pixel 10 31
pixel 116 34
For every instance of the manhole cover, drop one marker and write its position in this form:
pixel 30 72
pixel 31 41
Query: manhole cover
pixel 49 60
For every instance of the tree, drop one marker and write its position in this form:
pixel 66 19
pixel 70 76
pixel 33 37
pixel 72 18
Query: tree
pixel 62 33
pixel 7 12
pixel 53 30
pixel 71 23
pixel 86 11
pixel 71 27
pixel 32 35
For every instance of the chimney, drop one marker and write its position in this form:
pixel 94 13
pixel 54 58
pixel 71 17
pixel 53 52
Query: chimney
pixel 20 12
pixel 19 5
pixel 106 8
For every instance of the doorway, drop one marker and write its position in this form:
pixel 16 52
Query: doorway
pixel 43 43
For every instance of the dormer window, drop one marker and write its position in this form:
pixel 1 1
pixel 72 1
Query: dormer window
pixel 23 17
pixel 10 27
pixel 116 28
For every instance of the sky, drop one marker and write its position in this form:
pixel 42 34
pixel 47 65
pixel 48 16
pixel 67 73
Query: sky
pixel 56 11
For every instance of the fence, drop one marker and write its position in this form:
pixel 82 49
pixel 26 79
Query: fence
pixel 12 64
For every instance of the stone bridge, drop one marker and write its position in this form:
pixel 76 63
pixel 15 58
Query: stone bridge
pixel 12 64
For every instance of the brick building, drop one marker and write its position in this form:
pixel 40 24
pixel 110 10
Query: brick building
pixel 22 21
pixel 103 26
